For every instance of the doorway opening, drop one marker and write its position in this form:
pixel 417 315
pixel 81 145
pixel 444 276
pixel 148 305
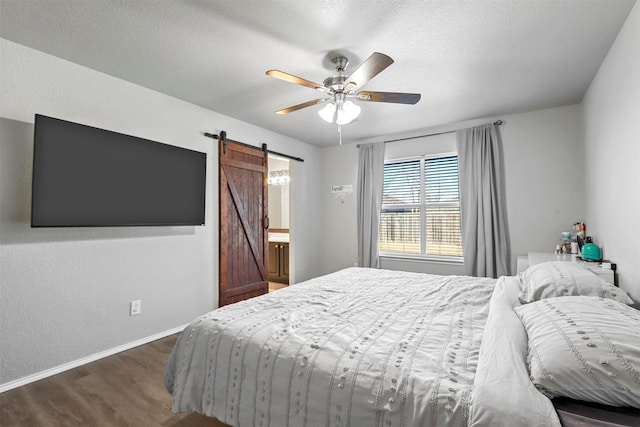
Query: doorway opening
pixel 279 224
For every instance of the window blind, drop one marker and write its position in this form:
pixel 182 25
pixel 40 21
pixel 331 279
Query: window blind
pixel 421 207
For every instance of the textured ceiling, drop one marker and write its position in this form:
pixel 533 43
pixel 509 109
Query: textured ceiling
pixel 468 59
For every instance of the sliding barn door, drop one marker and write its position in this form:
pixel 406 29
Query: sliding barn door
pixel 244 242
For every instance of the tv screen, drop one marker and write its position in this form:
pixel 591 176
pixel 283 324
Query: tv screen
pixel 89 177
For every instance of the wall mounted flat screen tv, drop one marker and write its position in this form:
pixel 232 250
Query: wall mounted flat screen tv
pixel 89 177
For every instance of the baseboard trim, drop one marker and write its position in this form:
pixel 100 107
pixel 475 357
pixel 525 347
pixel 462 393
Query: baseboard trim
pixel 83 361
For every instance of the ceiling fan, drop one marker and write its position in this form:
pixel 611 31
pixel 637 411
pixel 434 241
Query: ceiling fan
pixel 339 88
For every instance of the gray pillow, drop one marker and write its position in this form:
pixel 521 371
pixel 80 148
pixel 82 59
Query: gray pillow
pixel 584 348
pixel 558 279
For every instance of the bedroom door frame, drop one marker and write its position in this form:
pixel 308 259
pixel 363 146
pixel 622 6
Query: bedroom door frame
pixel 243 229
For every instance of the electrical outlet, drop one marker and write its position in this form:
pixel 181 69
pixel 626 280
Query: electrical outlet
pixel 135 308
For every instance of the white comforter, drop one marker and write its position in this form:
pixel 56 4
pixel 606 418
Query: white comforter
pixel 503 395
pixel 362 348
pixel 359 347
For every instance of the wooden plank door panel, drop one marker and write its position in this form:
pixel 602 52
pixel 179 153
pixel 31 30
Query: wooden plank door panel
pixel 243 235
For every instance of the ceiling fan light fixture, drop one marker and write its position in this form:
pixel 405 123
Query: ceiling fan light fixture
pixel 328 112
pixel 348 113
pixel 341 113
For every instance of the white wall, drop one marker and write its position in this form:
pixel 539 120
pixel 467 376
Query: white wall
pixel 543 155
pixel 65 293
pixel 340 248
pixel 278 196
pixel 611 110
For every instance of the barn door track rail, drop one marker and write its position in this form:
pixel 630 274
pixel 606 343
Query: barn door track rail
pixel 223 137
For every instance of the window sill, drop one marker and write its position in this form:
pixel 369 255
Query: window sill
pixel 450 260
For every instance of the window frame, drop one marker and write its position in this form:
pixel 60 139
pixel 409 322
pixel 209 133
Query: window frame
pixel 422 206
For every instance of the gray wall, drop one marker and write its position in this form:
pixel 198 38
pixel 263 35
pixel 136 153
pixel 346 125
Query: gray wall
pixel 65 293
pixel 340 167
pixel 543 153
pixel 544 157
pixel 611 110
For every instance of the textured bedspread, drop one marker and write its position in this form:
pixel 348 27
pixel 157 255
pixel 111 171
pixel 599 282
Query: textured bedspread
pixel 359 347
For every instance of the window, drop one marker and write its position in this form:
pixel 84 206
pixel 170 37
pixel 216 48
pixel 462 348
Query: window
pixel 421 207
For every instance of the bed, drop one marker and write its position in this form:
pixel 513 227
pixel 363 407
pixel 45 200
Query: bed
pixel 370 347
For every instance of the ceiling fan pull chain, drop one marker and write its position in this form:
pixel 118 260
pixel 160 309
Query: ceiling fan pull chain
pixel 340 133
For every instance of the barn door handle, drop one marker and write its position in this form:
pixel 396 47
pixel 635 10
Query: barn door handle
pixel 266 222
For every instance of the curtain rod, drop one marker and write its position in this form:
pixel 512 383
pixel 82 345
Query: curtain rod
pixel 223 135
pixel 497 123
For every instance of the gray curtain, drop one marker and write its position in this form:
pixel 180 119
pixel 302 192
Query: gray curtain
pixel 370 175
pixel 485 240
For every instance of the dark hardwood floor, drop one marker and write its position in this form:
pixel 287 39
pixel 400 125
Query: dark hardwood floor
pixel 125 389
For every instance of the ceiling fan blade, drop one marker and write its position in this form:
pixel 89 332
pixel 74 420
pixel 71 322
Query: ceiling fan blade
pixel 301 106
pixel 297 80
pixel 395 97
pixel 370 68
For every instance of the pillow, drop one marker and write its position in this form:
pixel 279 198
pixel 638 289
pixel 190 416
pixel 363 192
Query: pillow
pixel 557 278
pixel 584 348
